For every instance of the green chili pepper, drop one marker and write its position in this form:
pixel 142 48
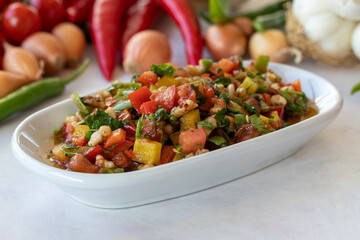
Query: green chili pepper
pixel 206 64
pixel 261 63
pixel 122 106
pixel 33 93
pixel 268 9
pixel 355 88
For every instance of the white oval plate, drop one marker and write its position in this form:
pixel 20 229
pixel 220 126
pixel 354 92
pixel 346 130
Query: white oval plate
pixel 180 177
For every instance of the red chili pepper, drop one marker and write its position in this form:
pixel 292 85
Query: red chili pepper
pixel 184 16
pixel 105 19
pixel 138 18
pixel 79 11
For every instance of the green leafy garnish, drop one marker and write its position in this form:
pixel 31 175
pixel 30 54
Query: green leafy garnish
pixel 133 84
pixel 207 125
pixel 297 105
pixel 240 119
pixel 89 133
pixel 58 131
pixel 223 80
pixel 69 150
pixel 163 69
pixel 119 170
pixel 258 124
pixel 139 127
pixel 101 118
pixel 199 96
pixel 220 118
pixel 250 108
pixel 220 141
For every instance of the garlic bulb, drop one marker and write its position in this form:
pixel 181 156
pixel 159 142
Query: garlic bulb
pixel 324 27
pixel 349 9
pixel 355 41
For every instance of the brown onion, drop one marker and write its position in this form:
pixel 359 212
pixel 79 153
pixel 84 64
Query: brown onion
pixel 73 40
pixel 144 49
pixel 48 48
pixel 225 40
pixel 245 24
pixel 271 43
pixel 19 60
pixel 9 82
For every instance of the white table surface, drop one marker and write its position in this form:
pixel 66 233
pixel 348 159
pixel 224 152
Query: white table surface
pixel 313 194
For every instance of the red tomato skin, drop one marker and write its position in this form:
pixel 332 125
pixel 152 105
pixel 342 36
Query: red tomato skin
pixel 148 78
pixel 19 21
pixel 266 97
pixel 185 92
pixel 117 137
pixel 192 140
pixel 166 98
pixel 93 152
pixel 138 97
pixel 130 129
pixel 154 133
pixel 51 12
pixel 148 107
pixel 80 141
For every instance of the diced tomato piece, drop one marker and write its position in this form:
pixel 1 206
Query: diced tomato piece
pixel 208 103
pixel 130 129
pixel 79 163
pixel 154 133
pixel 67 131
pixel 148 78
pixel 116 137
pixel 181 72
pixel 185 92
pixel 192 140
pixel 166 98
pixel 93 152
pixel 80 141
pixel 148 107
pixel 110 101
pixel 297 85
pixel 266 98
pixel 124 115
pixel 167 154
pixel 139 97
pixel 205 75
pixel 130 154
pixel 223 66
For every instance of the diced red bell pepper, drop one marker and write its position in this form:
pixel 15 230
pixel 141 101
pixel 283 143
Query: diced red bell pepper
pixel 130 129
pixel 266 97
pixel 148 107
pixel 148 78
pixel 139 97
pixel 192 140
pixel 67 131
pixel 166 98
pixel 116 137
pixel 167 154
pixel 122 147
pixel 297 85
pixel 185 92
pixel 80 141
pixel 93 152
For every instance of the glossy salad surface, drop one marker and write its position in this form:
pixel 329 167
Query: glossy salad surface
pixel 170 113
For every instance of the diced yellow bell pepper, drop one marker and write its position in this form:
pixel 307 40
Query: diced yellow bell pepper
pixel 237 107
pixel 188 121
pixel 59 153
pixel 250 85
pixel 174 137
pixel 152 87
pixel 80 130
pixel 147 151
pixel 166 81
pixel 264 119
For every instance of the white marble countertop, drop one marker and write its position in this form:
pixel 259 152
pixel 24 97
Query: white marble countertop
pixel 313 194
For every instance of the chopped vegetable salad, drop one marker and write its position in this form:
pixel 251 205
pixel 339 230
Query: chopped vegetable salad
pixel 171 113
